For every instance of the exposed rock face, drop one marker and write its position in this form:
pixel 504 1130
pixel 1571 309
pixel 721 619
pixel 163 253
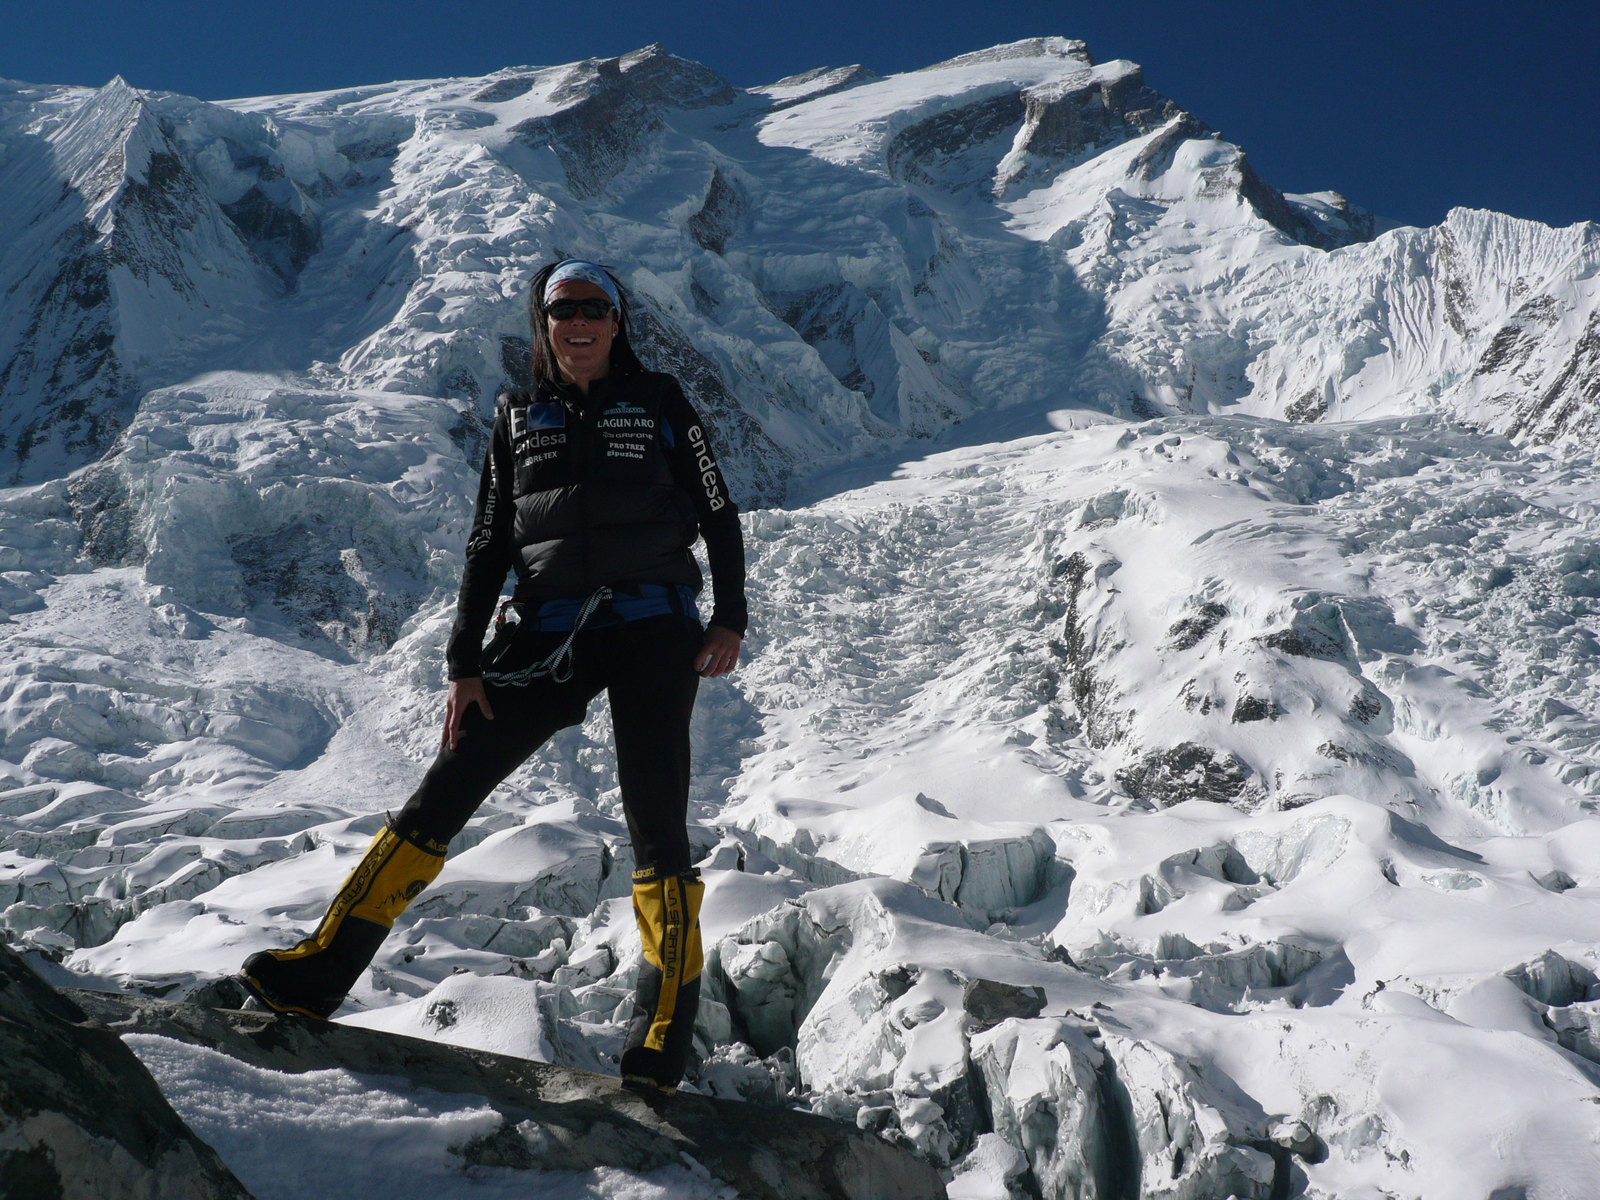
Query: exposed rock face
pixel 1509 310
pixel 758 467
pixel 1571 398
pixel 938 151
pixel 1065 122
pixel 719 215
pixel 580 1120
pixel 1188 771
pixel 80 1117
pixel 811 85
pixel 614 109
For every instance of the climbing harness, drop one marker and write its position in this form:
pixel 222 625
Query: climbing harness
pixel 558 666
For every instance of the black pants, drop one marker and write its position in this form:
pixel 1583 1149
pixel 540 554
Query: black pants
pixel 646 668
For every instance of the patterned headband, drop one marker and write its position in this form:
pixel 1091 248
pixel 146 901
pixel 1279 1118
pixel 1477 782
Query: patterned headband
pixel 578 268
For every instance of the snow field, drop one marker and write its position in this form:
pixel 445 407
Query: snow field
pixel 922 799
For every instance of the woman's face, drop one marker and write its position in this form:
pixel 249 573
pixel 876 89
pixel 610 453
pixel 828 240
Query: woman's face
pixel 582 344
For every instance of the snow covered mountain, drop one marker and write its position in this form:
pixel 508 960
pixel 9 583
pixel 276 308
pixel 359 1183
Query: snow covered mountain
pixel 1165 763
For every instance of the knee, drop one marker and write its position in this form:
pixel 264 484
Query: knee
pixel 426 819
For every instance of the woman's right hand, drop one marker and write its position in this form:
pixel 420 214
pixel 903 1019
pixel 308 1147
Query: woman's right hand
pixel 464 693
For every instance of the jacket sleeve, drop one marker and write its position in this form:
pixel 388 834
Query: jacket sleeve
pixel 488 556
pixel 695 469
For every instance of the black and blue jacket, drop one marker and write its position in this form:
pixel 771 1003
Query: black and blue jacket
pixel 581 493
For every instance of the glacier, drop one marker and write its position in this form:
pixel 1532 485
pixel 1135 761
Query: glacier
pixel 1164 760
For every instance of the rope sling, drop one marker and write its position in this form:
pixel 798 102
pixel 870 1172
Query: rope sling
pixel 558 666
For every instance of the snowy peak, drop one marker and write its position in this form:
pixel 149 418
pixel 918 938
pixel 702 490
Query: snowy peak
pixel 1208 716
pixel 121 268
pixel 673 81
pixel 1066 49
pixel 1032 116
pixel 1532 312
pixel 110 141
pixel 1490 317
pixel 828 300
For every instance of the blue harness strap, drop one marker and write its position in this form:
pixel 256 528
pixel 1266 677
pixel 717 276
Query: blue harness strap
pixel 629 602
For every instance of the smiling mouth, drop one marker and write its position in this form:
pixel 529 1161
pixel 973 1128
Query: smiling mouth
pixel 580 341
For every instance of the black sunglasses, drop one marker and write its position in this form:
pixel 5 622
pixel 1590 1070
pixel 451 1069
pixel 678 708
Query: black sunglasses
pixel 565 310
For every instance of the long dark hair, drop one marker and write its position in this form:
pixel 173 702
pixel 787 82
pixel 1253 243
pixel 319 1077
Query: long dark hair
pixel 623 360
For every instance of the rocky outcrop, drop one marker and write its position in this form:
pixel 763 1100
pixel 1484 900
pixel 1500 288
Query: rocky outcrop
pixel 1065 123
pixel 613 107
pixel 1569 401
pixel 554 1118
pixel 814 84
pixel 80 1117
pixel 719 216
pixel 1187 771
pixel 938 151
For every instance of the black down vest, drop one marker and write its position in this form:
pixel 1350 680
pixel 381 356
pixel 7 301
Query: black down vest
pixel 594 497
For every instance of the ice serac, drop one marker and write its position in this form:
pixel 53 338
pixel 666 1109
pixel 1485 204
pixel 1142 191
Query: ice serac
pixel 1049 1091
pixel 80 1116
pixel 1190 1132
pixel 1102 1117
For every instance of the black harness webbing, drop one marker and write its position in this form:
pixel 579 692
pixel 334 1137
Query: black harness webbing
pixel 558 666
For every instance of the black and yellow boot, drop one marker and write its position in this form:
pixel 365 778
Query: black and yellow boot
pixel 661 1034
pixel 313 977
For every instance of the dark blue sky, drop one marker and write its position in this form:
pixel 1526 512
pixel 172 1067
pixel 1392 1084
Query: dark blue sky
pixel 1406 107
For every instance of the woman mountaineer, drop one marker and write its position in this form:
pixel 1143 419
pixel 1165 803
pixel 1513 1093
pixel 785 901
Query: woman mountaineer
pixel 596 484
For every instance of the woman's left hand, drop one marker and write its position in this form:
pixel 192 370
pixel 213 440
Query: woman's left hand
pixel 719 653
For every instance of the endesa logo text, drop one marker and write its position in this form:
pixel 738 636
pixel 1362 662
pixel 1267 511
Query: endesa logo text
pixel 707 466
